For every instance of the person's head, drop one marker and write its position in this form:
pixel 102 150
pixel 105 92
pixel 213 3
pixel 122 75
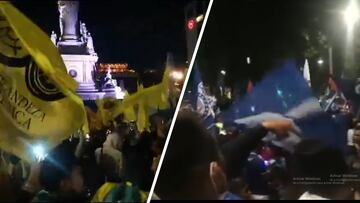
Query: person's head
pixel 253 175
pixel 60 172
pixel 114 140
pixel 191 168
pixel 314 159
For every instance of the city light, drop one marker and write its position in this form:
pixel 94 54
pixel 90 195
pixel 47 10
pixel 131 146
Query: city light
pixel 87 138
pixel 219 125
pixel 351 15
pixel 223 72
pixel 39 152
pixel 177 75
pixel 320 61
pixel 191 24
pixel 199 18
pixel 248 60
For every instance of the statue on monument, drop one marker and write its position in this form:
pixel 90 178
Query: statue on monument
pixel 68 19
pixel 53 37
pixel 90 44
pixel 108 81
pixel 83 32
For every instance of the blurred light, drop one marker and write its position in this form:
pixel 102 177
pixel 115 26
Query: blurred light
pixel 252 108
pixel 191 24
pixel 223 72
pixel 200 18
pixel 320 61
pixel 177 75
pixel 279 92
pixel 266 163
pixel 228 92
pixel 39 152
pixel 222 132
pixel 219 125
pixel 351 14
pixel 248 60
pixel 87 137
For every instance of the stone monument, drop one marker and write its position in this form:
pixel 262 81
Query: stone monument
pixel 109 83
pixel 68 20
pixel 90 44
pixel 78 51
pixel 53 37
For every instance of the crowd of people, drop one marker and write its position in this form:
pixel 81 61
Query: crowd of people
pixel 242 165
pixel 112 164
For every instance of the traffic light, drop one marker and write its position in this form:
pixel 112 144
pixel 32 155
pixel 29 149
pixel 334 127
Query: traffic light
pixel 194 16
pixel 191 24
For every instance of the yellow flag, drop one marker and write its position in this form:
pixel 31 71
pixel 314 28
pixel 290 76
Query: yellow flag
pixel 128 111
pixel 104 191
pixel 147 99
pixel 38 103
pixel 143 121
pixel 94 119
pixel 157 96
pixel 144 100
pixel 105 108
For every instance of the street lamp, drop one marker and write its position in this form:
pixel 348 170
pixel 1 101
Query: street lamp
pixel 351 15
pixel 320 61
pixel 223 72
pixel 177 75
pixel 248 60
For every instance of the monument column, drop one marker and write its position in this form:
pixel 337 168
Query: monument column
pixel 68 20
pixel 78 54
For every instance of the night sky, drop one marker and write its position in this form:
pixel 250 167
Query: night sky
pixel 139 33
pixel 267 31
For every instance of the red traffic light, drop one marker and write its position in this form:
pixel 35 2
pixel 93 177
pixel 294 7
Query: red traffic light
pixel 191 24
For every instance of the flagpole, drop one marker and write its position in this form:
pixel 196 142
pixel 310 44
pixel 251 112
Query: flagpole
pixel 331 70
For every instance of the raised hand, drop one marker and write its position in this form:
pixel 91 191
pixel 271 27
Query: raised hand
pixel 280 127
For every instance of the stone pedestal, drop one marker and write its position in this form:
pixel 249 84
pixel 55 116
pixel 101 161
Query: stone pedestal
pixel 81 68
pixel 109 93
pixel 78 53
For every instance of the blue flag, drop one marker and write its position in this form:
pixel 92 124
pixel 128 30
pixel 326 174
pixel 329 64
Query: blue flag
pixel 285 92
pixel 202 102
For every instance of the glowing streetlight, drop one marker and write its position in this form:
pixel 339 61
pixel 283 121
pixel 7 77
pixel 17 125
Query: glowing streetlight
pixel 177 75
pixel 351 15
pixel 320 61
pixel 199 18
pixel 248 60
pixel 223 72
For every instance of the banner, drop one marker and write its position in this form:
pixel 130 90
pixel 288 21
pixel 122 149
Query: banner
pixel 203 103
pixel 38 104
pixel 138 106
pixel 285 92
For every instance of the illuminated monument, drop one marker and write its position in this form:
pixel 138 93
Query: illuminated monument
pixel 76 46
